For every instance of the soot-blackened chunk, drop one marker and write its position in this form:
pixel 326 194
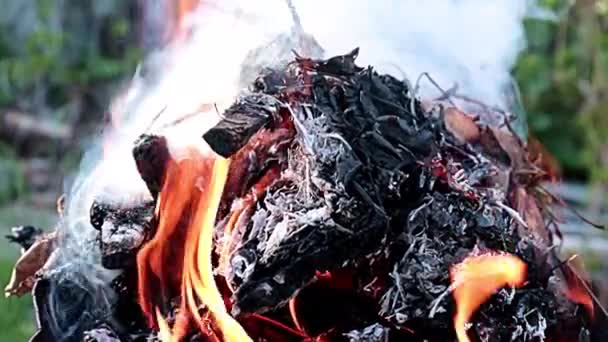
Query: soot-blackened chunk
pixel 342 173
pixel 123 230
pixel 358 140
pixel 151 154
pixel 66 306
pixel 240 122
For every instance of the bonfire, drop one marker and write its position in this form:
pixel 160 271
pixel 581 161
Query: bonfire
pixel 329 203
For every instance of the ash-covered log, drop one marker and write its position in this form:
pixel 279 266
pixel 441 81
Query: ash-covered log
pixel 358 159
pixel 123 230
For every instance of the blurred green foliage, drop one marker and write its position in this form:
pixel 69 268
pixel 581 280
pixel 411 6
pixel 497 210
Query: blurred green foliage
pixel 61 60
pixel 563 77
pixel 56 55
pixel 12 182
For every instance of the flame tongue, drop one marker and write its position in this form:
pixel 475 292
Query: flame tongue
pixel 198 281
pixel 154 276
pixel 191 192
pixel 477 278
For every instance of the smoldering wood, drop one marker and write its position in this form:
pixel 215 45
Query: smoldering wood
pixel 240 122
pixel 123 230
pixel 67 309
pixel 151 155
pixel 363 181
pixel 265 149
pixel 126 309
pixel 322 238
pixel 371 172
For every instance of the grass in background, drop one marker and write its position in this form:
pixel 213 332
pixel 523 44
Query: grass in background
pixel 16 314
pixel 17 323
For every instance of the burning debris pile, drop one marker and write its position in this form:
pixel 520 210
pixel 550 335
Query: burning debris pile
pixel 334 206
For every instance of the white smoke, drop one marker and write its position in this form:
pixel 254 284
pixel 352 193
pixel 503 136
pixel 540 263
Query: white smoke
pixel 473 43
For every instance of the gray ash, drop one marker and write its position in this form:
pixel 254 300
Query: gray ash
pixel 123 230
pixel 370 172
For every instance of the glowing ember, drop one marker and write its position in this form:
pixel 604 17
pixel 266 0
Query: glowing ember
pixel 294 314
pixel 477 278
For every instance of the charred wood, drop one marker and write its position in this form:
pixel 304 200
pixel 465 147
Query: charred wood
pixel 371 172
pixel 240 122
pixel 123 230
pixel 151 155
pixel 346 205
pixel 78 306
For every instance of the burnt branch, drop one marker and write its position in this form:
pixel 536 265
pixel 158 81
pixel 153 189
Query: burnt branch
pixel 151 155
pixel 240 122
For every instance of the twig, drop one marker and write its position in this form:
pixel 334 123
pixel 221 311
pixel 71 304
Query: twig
pixel 180 120
pixel 562 263
pixel 477 102
pixel 514 214
pixel 437 301
pixel 574 211
pixel 154 119
pixel 443 92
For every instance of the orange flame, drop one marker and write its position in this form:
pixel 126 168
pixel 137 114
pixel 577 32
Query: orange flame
pixel 177 31
pixel 477 278
pixel 183 8
pixel 191 192
pixel 577 289
pixel 175 197
pixel 164 332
